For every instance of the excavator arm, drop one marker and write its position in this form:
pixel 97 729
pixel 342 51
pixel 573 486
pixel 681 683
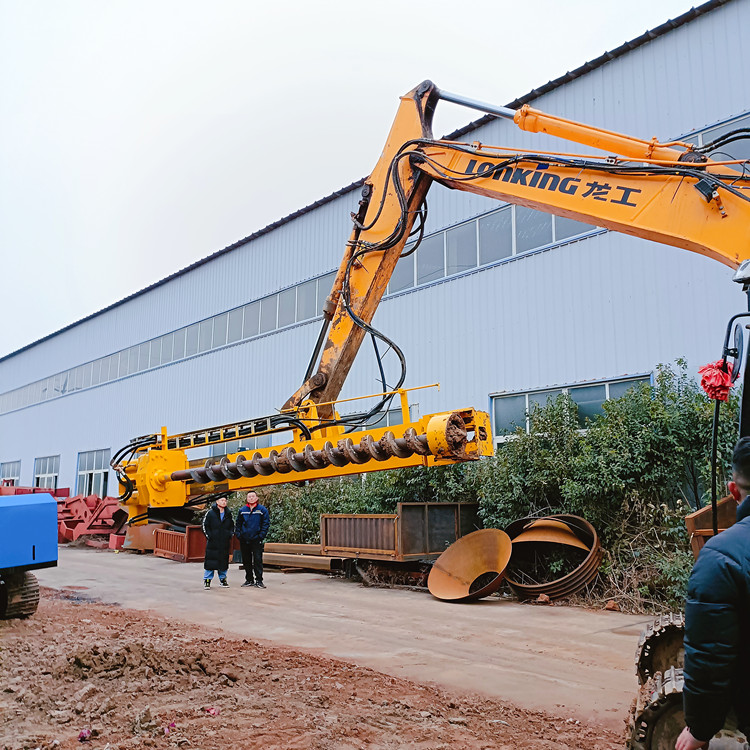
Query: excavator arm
pixel 392 199
pixel 667 192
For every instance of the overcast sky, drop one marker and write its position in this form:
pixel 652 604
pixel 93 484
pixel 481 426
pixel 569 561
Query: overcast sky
pixel 137 136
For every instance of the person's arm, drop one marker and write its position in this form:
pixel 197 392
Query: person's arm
pixel 712 637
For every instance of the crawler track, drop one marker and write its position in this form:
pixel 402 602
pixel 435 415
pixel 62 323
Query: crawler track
pixel 19 596
pixel 660 646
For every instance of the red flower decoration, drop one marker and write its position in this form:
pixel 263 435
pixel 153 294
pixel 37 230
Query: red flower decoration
pixel 715 381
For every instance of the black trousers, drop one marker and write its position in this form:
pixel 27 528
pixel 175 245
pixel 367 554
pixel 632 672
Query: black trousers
pixel 252 560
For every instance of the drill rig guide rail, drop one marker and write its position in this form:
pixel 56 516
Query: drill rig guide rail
pixel 160 475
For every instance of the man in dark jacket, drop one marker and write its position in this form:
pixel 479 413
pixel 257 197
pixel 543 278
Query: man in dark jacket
pixel 253 523
pixel 717 623
pixel 218 526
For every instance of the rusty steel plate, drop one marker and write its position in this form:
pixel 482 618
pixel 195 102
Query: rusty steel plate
pixel 141 538
pixel 568 584
pixel 463 573
pixel 552 534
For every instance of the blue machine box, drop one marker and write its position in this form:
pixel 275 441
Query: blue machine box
pixel 28 532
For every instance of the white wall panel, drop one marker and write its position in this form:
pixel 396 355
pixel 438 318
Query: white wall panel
pixel 305 247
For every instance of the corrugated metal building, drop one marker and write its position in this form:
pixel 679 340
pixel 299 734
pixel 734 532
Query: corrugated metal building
pixel 503 305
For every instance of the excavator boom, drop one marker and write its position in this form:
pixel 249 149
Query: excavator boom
pixel 667 192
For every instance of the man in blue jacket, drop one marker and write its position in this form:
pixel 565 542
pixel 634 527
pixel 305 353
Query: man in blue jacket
pixel 253 522
pixel 717 623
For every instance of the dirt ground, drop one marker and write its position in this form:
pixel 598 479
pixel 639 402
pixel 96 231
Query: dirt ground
pixel 568 661
pixel 80 673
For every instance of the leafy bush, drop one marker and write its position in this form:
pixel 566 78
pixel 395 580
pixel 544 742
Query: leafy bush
pixel 634 473
pixel 295 510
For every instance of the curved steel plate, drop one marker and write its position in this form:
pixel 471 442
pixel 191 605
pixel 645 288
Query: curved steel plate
pixel 466 561
pixel 568 584
pixel 551 535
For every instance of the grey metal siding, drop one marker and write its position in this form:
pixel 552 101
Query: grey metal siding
pixel 596 308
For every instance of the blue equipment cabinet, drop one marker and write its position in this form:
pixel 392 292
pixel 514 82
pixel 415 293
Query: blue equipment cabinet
pixel 28 541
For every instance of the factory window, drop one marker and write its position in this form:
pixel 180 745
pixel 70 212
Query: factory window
pixel 86 375
pixel 403 275
pixel 167 346
pixel 205 335
pixel 96 372
pixel 325 284
pixel 114 360
pixel 220 330
pixel 93 472
pixel 191 340
pixel 268 310
pixel 589 400
pixel 565 228
pixel 144 355
pixel 431 259
pixel 252 320
pixel 245 446
pixel 619 388
pixel 77 375
pixel 287 307
pixel 234 329
pixel 154 359
pixel 461 248
pixel 10 473
pixel 509 413
pixel 541 399
pixel 178 345
pixel 496 236
pixel 46 471
pixel 514 410
pixel 307 300
pixel 122 366
pixel 533 229
pixel 390 418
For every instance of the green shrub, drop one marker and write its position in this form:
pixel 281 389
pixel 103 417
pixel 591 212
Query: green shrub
pixel 634 473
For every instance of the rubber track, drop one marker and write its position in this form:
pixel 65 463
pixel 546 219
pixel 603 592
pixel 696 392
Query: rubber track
pixel 661 633
pixel 22 596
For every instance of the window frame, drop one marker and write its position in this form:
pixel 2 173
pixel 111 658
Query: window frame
pixel 94 474
pixel 563 389
pixel 44 473
pixel 10 473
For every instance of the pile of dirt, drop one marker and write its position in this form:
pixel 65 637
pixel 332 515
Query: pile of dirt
pixel 80 673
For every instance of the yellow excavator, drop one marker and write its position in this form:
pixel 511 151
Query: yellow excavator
pixel 672 193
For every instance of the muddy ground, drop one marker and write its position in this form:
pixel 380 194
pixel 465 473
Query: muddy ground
pixel 81 674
